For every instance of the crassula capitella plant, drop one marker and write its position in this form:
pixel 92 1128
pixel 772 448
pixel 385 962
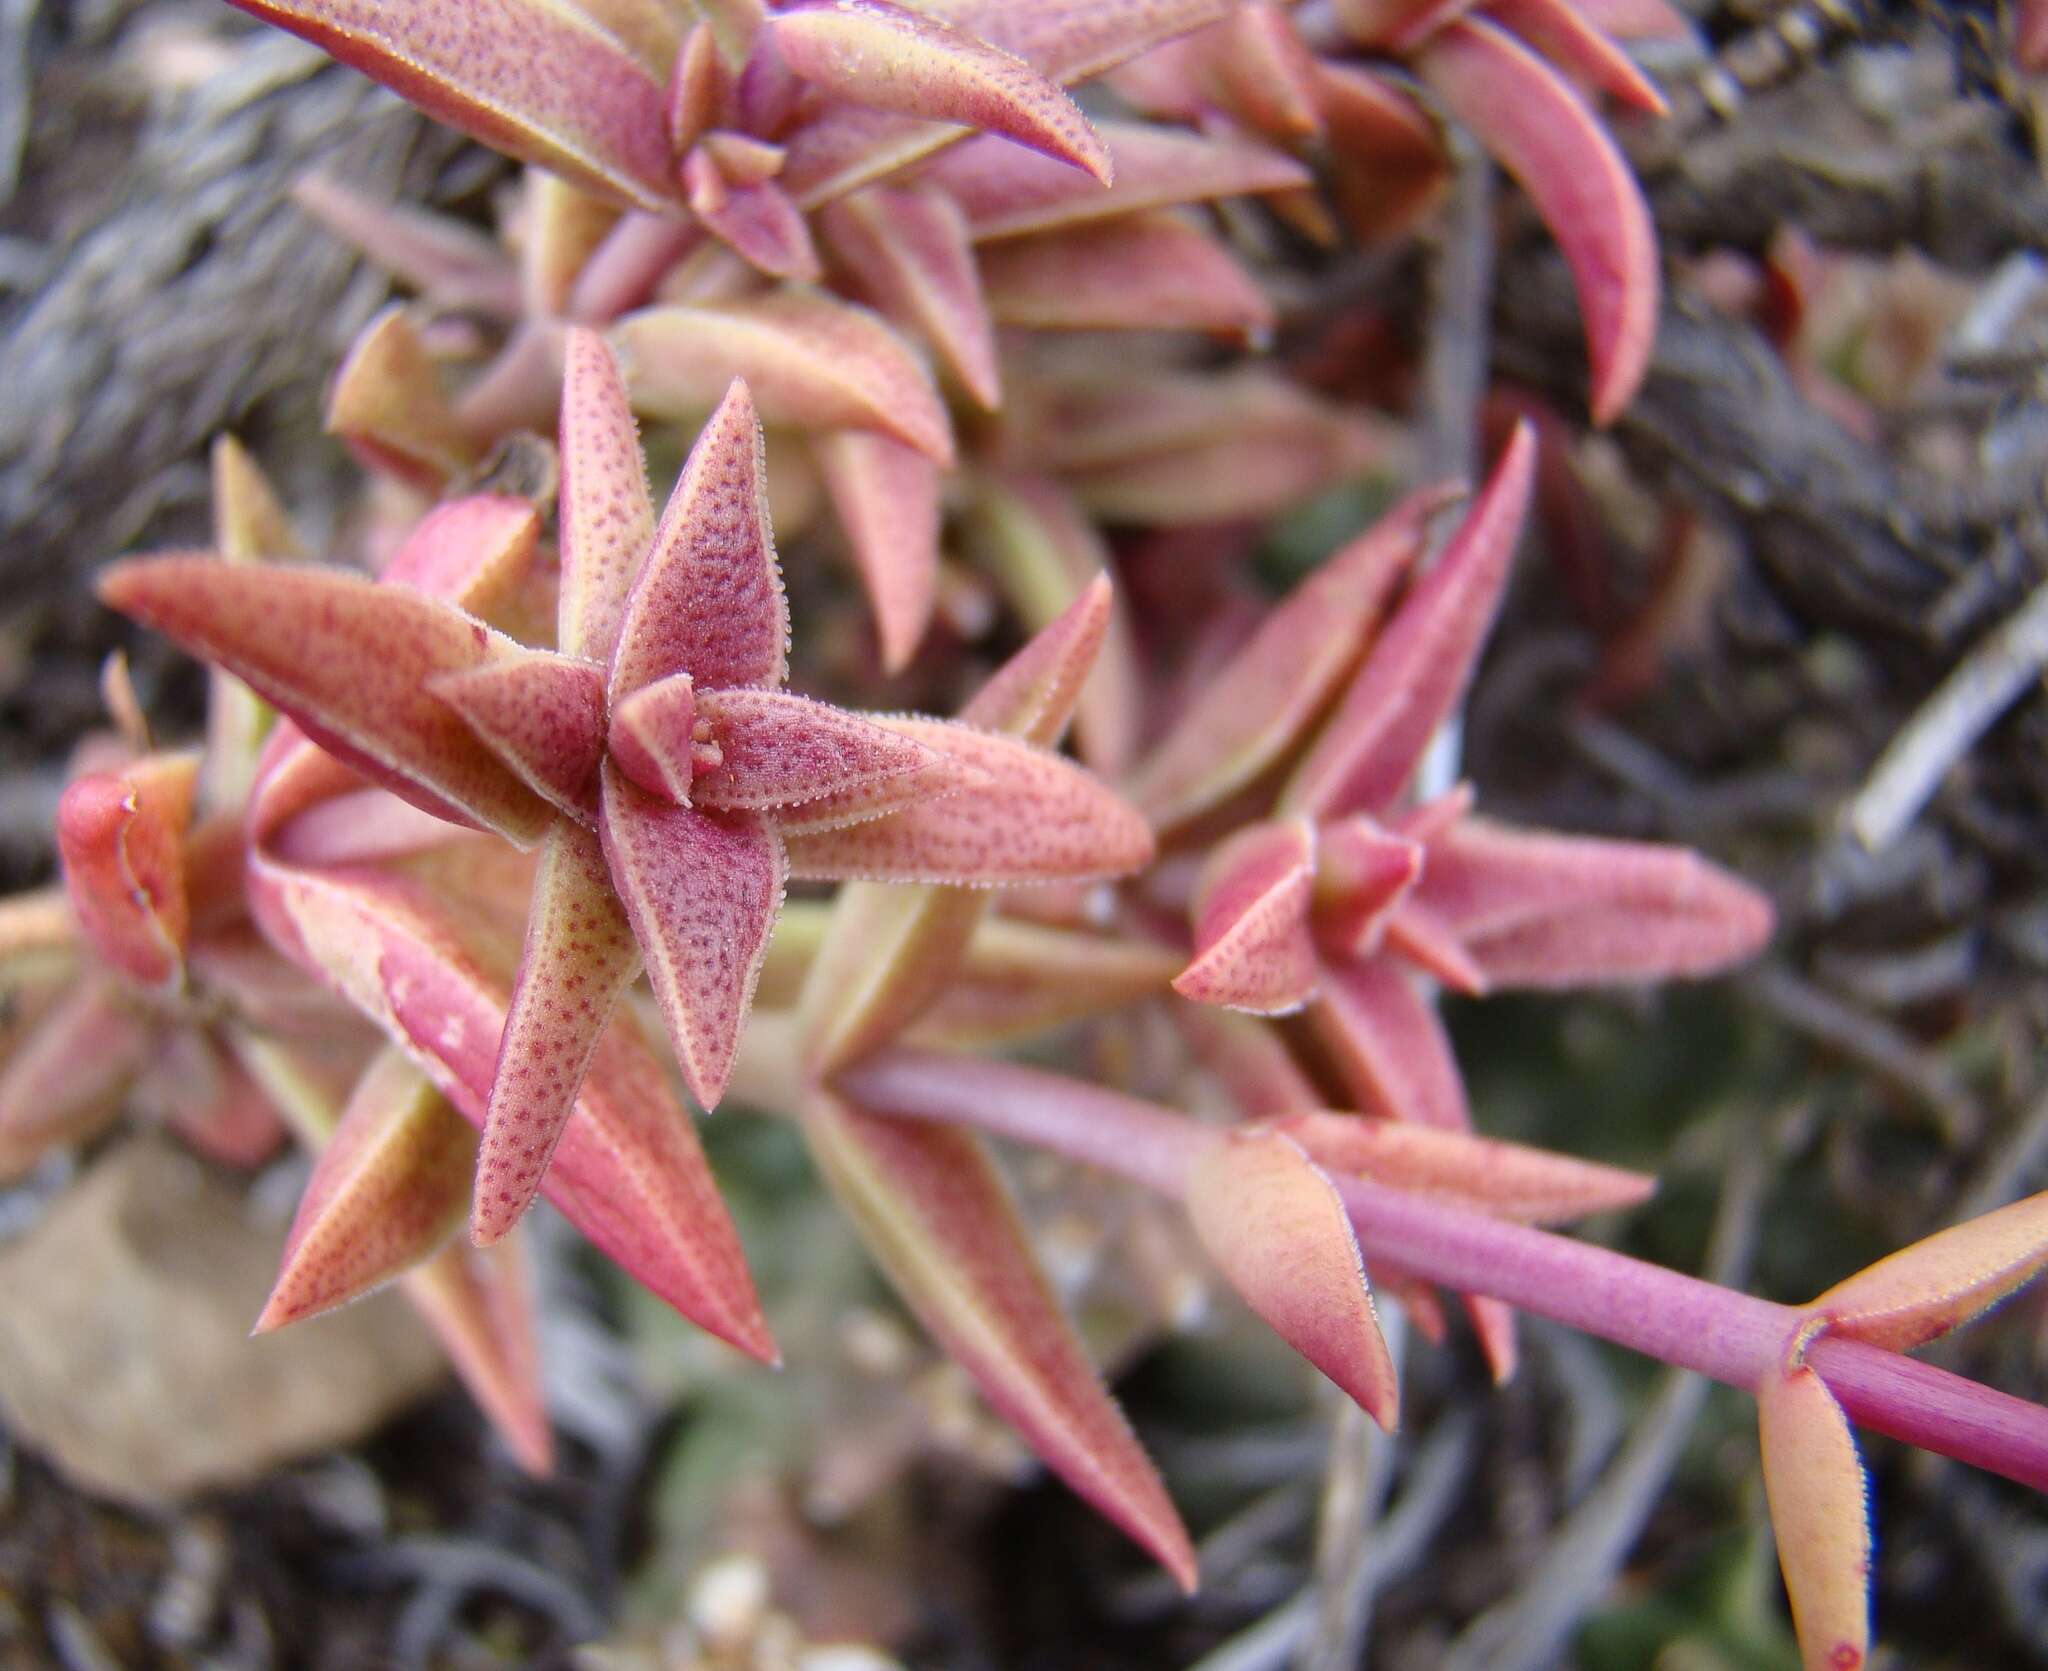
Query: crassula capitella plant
pixel 484 823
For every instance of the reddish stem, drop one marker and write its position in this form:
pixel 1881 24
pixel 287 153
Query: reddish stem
pixel 1663 1314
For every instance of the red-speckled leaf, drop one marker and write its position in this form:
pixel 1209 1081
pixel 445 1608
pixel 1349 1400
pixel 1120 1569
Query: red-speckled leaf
pixel 1249 1059
pixel 1047 555
pixel 1023 978
pixel 1415 932
pixel 1388 1045
pixel 121 842
pixel 387 1189
pixel 653 737
pixel 1038 819
pixel 872 53
pixel 1033 696
pixel 1259 705
pixel 1277 1229
pixel 1939 1283
pixel 540 81
pixel 886 496
pixel 1423 660
pixel 1820 1512
pixel 479 1303
pixel 1544 135
pixel 1576 45
pixel 628 1171
pixel 476 553
pixel 912 256
pixel 1389 164
pixel 1253 950
pixel 777 750
pixel 1006 192
pixel 1533 909
pixel 1508 1179
pixel 349 660
pixel 1363 872
pixel 386 402
pixel 1151 271
pixel 757 221
pixel 542 715
pixel 701 891
pixel 445 259
pixel 579 957
pixel 607 517
pixel 936 1216
pixel 64 1081
pixel 812 362
pixel 708 601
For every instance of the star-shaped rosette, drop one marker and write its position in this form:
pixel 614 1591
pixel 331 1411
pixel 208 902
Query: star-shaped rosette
pixel 669 782
pixel 1344 898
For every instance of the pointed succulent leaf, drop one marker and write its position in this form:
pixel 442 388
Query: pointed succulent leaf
pixel 578 958
pixel 628 1171
pixel 1421 663
pixel 1545 136
pixel 1253 950
pixel 249 525
pixel 539 81
pixel 756 219
pixel 1034 695
pixel 812 362
pixel 1251 713
pixel 1389 1046
pixel 1076 40
pixel 1575 44
pixel 886 496
pixel 1249 1059
pixel 479 1303
pixel 1148 271
pixel 773 749
pixel 1939 1283
pixel 386 1191
pixel 442 258
pixel 911 254
pixel 1417 934
pixel 1389 167
pixel 936 1216
pixel 1512 1180
pixel 701 891
pixel 203 1096
pixel 1023 978
pixel 1279 1232
pixel 1396 23
pixel 121 841
pixel 883 56
pixel 476 553
pixel 64 1081
pixel 1262 71
pixel 1533 909
pixel 350 661
pixel 653 737
pixel 1820 1512
pixel 386 402
pixel 1038 819
pixel 541 714
pixel 564 227
pixel 708 600
pixel 1493 1325
pixel 1006 192
pixel 1364 872
pixel 607 517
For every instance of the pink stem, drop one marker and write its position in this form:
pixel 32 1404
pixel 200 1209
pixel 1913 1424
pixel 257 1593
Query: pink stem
pixel 1661 1313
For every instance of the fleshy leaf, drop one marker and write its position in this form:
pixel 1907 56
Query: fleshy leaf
pixel 886 496
pixel 64 1081
pixel 564 226
pixel 1581 185
pixel 1249 1059
pixel 1939 1283
pixel 1279 1232
pixel 1575 44
pixel 207 1100
pixel 1533 909
pixel 1388 159
pixel 1022 978
pixel 1262 71
pixel 479 1303
pixel 1820 1512
pixel 387 1189
pixel 1423 660
pixel 541 714
pixel 249 525
pixel 1035 694
pixel 1389 1045
pixel 121 841
pixel 701 891
pixel 579 956
pixel 1253 950
pixel 476 553
pixel 349 660
pixel 1252 712
pixel 777 750
pixel 607 518
pixel 442 258
pixel 539 81
pixel 1006 192
pixel 1415 932
pixel 653 737
pixel 1363 872
pixel 1144 272
pixel 911 253
pixel 1038 819
pixel 386 402
pixel 1513 1180
pixel 887 58
pixel 757 219
pixel 938 1219
pixel 812 362
pixel 708 601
